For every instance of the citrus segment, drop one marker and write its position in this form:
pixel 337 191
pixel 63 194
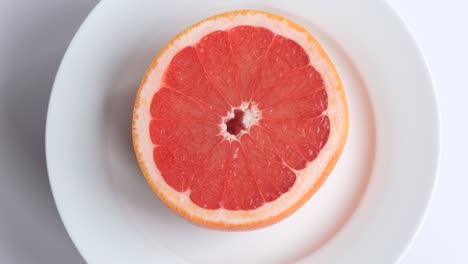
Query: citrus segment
pixel 180 146
pixel 249 45
pixel 305 107
pixel 291 87
pixel 283 56
pixel 242 192
pixel 172 105
pixel 215 54
pixel 185 74
pixel 316 131
pixel 207 187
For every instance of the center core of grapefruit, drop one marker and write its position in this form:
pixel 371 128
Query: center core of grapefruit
pixel 239 120
pixel 236 124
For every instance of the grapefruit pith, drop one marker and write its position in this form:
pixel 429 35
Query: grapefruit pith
pixel 239 120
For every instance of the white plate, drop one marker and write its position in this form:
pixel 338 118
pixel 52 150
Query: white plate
pixel 368 210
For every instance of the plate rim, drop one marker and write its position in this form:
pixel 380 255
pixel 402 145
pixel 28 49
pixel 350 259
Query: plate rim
pixel 435 179
pixel 60 69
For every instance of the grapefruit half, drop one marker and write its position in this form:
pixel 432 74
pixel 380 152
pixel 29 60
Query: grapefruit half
pixel 239 120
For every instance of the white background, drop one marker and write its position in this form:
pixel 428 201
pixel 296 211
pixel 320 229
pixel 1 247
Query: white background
pixel 33 37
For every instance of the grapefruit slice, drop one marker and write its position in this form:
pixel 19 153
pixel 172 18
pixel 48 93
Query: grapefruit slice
pixel 239 120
